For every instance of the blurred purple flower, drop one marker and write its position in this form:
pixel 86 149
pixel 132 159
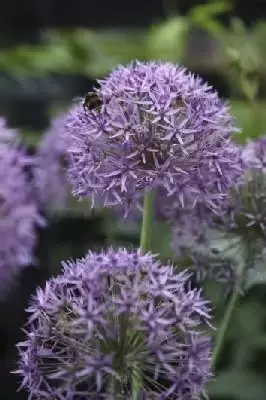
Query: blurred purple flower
pixel 155 124
pixel 254 154
pixel 245 210
pixel 191 217
pixel 210 264
pixel 50 170
pixel 109 318
pixel 188 232
pixel 7 135
pixel 19 215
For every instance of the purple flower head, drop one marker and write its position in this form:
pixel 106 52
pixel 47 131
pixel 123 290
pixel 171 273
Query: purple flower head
pixel 191 213
pixel 50 171
pixel 245 210
pixel 18 211
pixel 188 223
pixel 154 124
pixel 191 238
pixel 254 154
pixel 189 232
pixel 112 317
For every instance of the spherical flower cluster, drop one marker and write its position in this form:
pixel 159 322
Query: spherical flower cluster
pixel 18 211
pixel 254 154
pixel 151 124
pixel 50 170
pixel 190 222
pixel 111 319
pixel 188 232
pixel 245 210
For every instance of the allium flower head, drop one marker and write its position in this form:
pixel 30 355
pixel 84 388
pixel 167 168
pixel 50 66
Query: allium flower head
pixel 50 171
pixel 111 318
pixel 154 124
pixel 245 210
pixel 247 204
pixel 18 211
pixel 189 232
pixel 254 154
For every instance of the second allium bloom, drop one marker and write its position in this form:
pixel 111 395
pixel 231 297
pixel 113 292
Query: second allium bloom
pixel 112 319
pixel 152 124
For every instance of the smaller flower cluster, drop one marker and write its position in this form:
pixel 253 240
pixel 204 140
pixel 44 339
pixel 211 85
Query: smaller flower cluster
pixel 19 216
pixel 213 266
pixel 254 154
pixel 241 219
pixel 50 167
pixel 110 319
pixel 188 232
pixel 188 224
pixel 244 210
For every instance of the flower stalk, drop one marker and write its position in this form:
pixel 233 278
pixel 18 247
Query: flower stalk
pixel 145 242
pixel 146 229
pixel 218 344
pixel 232 303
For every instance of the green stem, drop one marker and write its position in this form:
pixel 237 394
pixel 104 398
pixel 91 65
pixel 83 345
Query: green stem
pixel 224 326
pixel 146 229
pixel 136 387
pixel 249 261
pixel 145 242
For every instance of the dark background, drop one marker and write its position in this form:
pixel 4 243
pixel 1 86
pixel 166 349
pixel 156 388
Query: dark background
pixel 22 21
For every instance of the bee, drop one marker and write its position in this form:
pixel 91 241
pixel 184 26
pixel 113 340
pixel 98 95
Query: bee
pixel 63 163
pixel 92 101
pixel 178 103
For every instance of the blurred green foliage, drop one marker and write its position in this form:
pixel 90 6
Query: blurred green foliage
pixel 250 118
pixel 96 52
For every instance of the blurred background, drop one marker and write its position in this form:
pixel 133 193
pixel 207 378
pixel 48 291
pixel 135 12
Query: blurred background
pixel 50 53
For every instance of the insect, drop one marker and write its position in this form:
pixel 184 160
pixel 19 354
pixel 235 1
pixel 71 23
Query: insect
pixel 63 161
pixel 178 102
pixel 92 101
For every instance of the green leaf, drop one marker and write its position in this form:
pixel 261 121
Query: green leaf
pixel 257 275
pixel 112 47
pixel 204 15
pixel 166 41
pixel 79 51
pixel 252 120
pixel 209 10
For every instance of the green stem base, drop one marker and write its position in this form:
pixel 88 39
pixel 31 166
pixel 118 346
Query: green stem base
pixel 224 326
pixel 146 229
